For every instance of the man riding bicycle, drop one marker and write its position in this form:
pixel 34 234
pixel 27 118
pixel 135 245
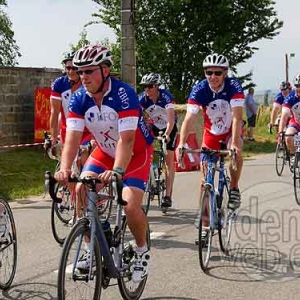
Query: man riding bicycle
pixel 221 99
pixel 291 107
pixel 285 89
pixel 110 110
pixel 158 103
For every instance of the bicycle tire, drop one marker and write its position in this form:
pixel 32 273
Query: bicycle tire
pixel 61 215
pixel 8 267
pixel 225 220
pixel 80 229
pixel 279 158
pixel 297 178
pixel 127 256
pixel 204 248
pixel 148 196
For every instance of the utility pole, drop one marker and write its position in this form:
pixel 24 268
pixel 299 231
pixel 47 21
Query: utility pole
pixel 286 67
pixel 128 60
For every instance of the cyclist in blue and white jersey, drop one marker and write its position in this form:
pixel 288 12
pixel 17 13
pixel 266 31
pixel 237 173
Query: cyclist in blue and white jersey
pixel 222 101
pixel 291 107
pixel 285 89
pixel 158 103
pixel 111 111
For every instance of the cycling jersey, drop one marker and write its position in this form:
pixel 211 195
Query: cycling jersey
pixel 278 100
pixel 292 104
pixel 119 111
pixel 158 111
pixel 61 90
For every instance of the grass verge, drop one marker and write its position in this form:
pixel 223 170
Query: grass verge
pixel 22 172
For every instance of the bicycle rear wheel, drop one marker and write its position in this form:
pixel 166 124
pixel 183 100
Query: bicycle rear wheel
pixel 8 248
pixel 279 158
pixel 128 289
pixel 62 214
pixel 204 245
pixel 297 178
pixel 226 217
pixel 73 283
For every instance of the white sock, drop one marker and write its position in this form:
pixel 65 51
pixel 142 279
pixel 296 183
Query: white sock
pixel 142 249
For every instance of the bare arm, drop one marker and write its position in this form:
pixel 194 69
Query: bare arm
pixel 171 121
pixel 284 118
pixel 124 149
pixel 55 110
pixel 237 117
pixel 274 113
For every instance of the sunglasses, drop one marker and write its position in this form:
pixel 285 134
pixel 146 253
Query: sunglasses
pixel 149 86
pixel 87 72
pixel 216 73
pixel 69 68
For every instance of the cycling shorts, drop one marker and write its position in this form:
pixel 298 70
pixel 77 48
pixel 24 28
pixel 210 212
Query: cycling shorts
pixel 173 135
pixel 137 172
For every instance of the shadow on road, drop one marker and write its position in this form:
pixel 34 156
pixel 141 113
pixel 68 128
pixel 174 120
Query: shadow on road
pixel 250 264
pixel 32 291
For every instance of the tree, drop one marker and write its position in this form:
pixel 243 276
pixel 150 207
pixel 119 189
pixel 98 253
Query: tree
pixel 9 51
pixel 174 36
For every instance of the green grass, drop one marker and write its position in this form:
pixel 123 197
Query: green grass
pixel 264 142
pixel 23 169
pixel 22 172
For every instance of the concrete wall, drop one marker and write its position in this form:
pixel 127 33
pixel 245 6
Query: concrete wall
pixel 17 87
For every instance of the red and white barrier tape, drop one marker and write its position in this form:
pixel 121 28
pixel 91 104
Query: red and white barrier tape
pixel 20 145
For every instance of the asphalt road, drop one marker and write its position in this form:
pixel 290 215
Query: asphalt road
pixel 265 261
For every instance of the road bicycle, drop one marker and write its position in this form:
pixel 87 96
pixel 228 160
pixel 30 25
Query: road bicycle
pixel 282 154
pixel 156 185
pixel 213 212
pixel 63 213
pixel 112 255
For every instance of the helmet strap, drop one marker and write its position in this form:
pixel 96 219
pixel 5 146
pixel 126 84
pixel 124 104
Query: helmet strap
pixel 100 89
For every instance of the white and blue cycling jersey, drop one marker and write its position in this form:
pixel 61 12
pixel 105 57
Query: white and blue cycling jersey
pixel 158 111
pixel 217 107
pixel 291 104
pixel 119 111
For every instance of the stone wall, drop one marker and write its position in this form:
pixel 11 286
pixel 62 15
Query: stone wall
pixel 17 87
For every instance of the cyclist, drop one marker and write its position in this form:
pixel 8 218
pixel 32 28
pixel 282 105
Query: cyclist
pixel 285 89
pixel 110 109
pixel 291 107
pixel 221 99
pixel 158 103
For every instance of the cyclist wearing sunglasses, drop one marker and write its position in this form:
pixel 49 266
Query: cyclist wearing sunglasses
pixel 291 107
pixel 159 105
pixel 285 89
pixel 110 110
pixel 221 99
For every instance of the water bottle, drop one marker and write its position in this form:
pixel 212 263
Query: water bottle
pixel 107 232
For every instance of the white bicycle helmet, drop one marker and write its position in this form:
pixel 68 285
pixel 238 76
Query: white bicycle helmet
pixel 216 60
pixel 297 79
pixel 151 78
pixel 92 56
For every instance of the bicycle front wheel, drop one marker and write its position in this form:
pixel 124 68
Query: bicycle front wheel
pixel 226 217
pixel 297 178
pixel 204 229
pixel 279 158
pixel 74 283
pixel 148 196
pixel 62 214
pixel 8 247
pixel 129 289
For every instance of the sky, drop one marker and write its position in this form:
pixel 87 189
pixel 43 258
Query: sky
pixel 44 30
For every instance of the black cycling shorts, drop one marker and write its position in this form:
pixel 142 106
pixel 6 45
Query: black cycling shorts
pixel 173 135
